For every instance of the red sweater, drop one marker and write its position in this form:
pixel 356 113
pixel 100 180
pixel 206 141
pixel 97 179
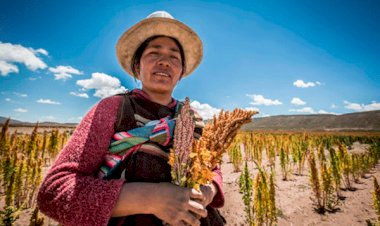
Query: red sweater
pixel 71 193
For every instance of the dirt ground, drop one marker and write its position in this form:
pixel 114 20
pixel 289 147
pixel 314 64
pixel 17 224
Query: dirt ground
pixel 292 198
pixel 293 201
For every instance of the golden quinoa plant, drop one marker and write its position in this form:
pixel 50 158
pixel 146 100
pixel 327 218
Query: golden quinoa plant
pixel 192 161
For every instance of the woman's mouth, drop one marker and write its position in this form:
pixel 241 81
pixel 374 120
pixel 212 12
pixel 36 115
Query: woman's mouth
pixel 163 74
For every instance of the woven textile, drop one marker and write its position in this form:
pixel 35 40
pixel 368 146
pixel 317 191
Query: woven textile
pixel 124 143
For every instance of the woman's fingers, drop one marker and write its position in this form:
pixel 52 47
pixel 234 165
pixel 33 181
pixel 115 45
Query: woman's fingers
pixel 190 219
pixel 208 194
pixel 196 195
pixel 205 195
pixel 197 208
pixel 185 218
pixel 177 205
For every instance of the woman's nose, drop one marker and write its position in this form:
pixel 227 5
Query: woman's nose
pixel 164 61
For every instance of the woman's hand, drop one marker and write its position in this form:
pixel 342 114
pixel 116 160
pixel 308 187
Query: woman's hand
pixel 172 204
pixel 208 192
pixel 177 205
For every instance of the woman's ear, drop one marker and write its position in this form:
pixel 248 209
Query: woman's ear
pixel 137 71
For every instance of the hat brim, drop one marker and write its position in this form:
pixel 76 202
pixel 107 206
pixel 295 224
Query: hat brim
pixel 136 35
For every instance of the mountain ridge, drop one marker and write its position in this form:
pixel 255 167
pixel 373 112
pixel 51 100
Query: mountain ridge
pixel 358 121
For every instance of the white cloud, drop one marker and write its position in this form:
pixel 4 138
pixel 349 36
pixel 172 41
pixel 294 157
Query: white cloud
pixel 259 114
pixel 104 85
pixel 362 107
pixel 20 94
pixel 302 84
pixel 47 101
pixel 252 109
pixel 21 110
pixel 333 106
pixel 260 100
pixel 297 101
pixel 83 95
pixel 353 106
pixel 8 99
pixel 64 72
pixel 204 110
pixel 11 54
pixel 326 112
pixel 303 110
pixel 6 68
pixel 41 51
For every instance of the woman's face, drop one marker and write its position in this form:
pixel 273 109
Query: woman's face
pixel 160 66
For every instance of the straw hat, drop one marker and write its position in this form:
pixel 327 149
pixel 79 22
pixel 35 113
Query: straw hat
pixel 159 23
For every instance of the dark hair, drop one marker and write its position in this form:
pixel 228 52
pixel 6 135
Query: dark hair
pixel 137 56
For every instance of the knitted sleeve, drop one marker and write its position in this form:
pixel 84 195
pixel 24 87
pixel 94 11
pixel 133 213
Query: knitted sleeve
pixel 70 192
pixel 218 200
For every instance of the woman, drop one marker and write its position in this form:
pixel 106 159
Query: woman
pixel 158 51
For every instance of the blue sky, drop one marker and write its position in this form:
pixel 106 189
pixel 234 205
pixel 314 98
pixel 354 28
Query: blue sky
pixel 57 58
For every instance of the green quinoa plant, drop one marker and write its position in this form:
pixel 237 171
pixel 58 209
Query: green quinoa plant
pixel 35 219
pixel 246 185
pixel 336 171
